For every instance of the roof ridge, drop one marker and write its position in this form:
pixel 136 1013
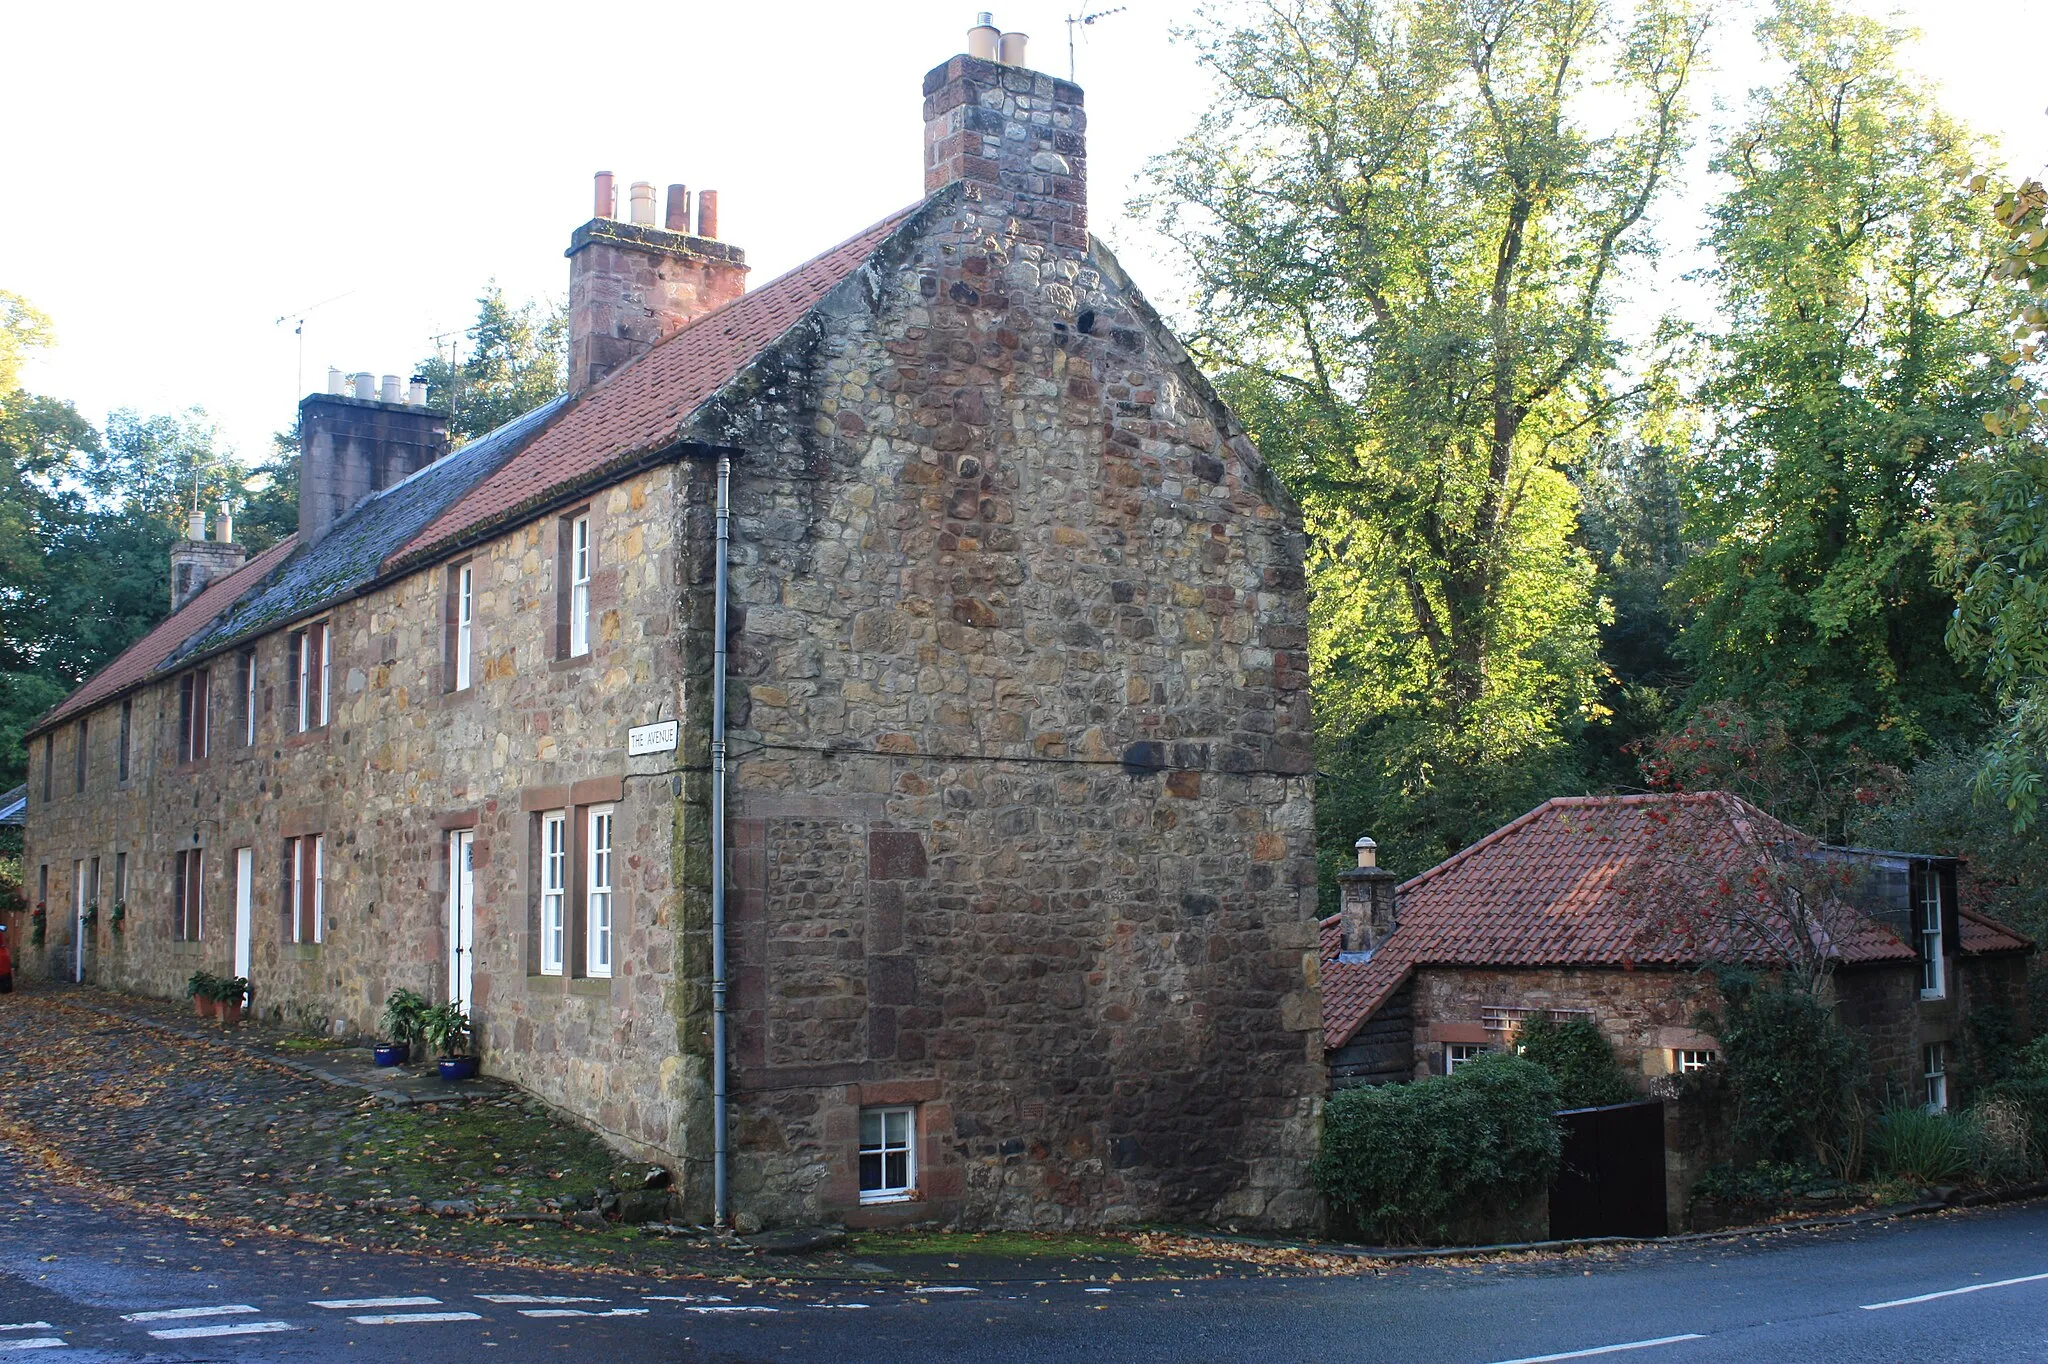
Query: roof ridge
pixel 1470 850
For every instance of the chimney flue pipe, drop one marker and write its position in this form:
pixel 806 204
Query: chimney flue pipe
pixel 642 208
pixel 981 39
pixel 607 205
pixel 336 383
pixel 1010 49
pixel 678 217
pixel 366 387
pixel 416 392
pixel 224 528
pixel 707 213
pixel 387 391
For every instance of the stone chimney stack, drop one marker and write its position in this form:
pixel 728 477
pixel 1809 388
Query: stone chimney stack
pixel 1366 914
pixel 1015 136
pixel 197 561
pixel 350 447
pixel 633 285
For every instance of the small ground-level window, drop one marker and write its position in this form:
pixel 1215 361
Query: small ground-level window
pixel 888 1154
pixel 1686 1061
pixel 1458 1053
pixel 1935 1058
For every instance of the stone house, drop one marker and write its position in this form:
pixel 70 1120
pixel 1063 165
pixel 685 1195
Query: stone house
pixel 933 566
pixel 1607 908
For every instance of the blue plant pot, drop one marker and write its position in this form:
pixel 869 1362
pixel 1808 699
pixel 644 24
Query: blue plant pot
pixel 392 1053
pixel 457 1067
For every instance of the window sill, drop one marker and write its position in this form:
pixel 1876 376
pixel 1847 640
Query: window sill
pixel 592 987
pixel 306 951
pixel 187 947
pixel 569 663
pixel 300 738
pixel 869 1200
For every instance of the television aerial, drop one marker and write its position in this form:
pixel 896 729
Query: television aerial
pixel 1077 22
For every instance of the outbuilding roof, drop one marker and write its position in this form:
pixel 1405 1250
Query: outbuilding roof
pixel 1586 881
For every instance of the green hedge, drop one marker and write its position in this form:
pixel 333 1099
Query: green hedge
pixel 1578 1057
pixel 1410 1162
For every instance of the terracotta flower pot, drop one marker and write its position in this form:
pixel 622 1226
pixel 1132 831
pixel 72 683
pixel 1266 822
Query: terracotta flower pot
pixel 202 1007
pixel 229 1012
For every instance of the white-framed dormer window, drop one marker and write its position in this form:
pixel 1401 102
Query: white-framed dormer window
pixel 598 892
pixel 579 586
pixel 1933 969
pixel 888 1154
pixel 1458 1053
pixel 554 892
pixel 1934 1064
pixel 1687 1060
pixel 465 622
pixel 312 665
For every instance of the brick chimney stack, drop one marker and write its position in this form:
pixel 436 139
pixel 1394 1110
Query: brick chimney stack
pixel 1366 913
pixel 352 446
pixel 1015 136
pixel 632 285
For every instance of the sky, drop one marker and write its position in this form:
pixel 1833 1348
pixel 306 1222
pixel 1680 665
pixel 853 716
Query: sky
pixel 186 182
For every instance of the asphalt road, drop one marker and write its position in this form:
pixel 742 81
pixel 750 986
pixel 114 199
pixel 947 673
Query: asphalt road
pixel 81 1282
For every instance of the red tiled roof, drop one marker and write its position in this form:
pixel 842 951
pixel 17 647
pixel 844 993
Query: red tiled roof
pixel 145 655
pixel 1575 882
pixel 645 404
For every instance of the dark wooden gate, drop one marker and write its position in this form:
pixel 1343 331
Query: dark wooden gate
pixel 1610 1181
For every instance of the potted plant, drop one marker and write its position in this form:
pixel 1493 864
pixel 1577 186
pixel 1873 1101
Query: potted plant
pixel 119 916
pixel 38 924
pixel 90 915
pixel 404 1011
pixel 445 1028
pixel 200 989
pixel 229 997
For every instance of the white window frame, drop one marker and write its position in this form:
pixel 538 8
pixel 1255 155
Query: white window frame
pixel 883 1148
pixel 319 888
pixel 297 850
pixel 465 622
pixel 1934 1065
pixel 1686 1060
pixel 579 586
pixel 554 892
pixel 249 698
pixel 1933 963
pixel 297 854
pixel 600 893
pixel 1458 1053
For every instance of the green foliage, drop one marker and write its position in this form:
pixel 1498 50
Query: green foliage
pixel 1579 1060
pixel 203 985
pixel 1849 380
pixel 445 1028
pixel 1410 1162
pixel 404 1019
pixel 2025 1084
pixel 518 359
pixel 1908 1142
pixel 1940 810
pixel 1764 1182
pixel 1404 227
pixel 1796 1073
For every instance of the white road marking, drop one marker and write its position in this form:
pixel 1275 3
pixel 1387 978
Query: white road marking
pixel 33 1343
pixel 414 1318
pixel 950 1288
pixel 1952 1292
pixel 28 1326
pixel 687 1297
pixel 848 1306
pixel 1605 1349
pixel 732 1309
pixel 532 1297
pixel 181 1313
pixel 356 1304
pixel 1095 1290
pixel 580 1312
pixel 228 1328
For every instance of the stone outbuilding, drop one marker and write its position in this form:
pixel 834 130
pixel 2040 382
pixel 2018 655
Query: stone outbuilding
pixel 1015 876
pixel 1607 909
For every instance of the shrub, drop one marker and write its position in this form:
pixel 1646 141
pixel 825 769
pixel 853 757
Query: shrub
pixel 1928 1148
pixel 1578 1058
pixel 1796 1074
pixel 2025 1083
pixel 2001 1142
pixel 1408 1162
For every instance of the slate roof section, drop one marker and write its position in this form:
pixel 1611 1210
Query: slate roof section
pixel 352 553
pixel 644 406
pixel 14 806
pixel 140 660
pixel 1564 885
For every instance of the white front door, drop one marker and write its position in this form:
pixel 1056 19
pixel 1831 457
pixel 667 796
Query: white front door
pixel 461 915
pixel 78 921
pixel 245 884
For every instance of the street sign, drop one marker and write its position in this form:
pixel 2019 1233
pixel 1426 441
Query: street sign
pixel 642 739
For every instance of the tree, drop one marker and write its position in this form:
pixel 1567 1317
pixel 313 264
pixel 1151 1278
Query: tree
pixel 1850 382
pixel 518 359
pixel 1404 233
pixel 1998 559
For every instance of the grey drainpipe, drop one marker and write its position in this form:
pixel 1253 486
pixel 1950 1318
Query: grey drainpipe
pixel 721 1192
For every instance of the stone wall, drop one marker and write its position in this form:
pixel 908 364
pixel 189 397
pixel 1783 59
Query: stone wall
pixel 1882 1005
pixel 401 763
pixel 1644 1014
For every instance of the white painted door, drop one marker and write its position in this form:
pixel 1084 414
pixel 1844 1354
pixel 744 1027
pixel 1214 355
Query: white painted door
pixel 78 921
pixel 461 915
pixel 245 885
